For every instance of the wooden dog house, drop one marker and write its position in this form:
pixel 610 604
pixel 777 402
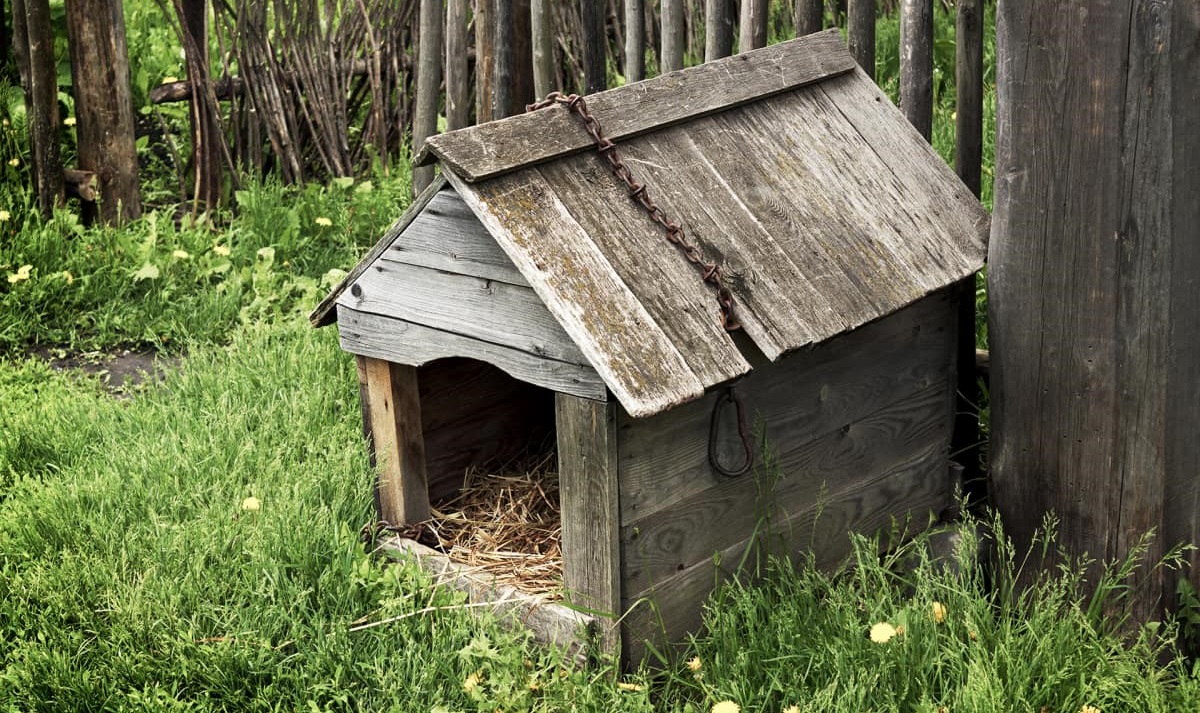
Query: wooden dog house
pixel 526 296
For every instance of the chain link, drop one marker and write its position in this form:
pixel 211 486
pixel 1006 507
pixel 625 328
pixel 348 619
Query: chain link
pixel 709 270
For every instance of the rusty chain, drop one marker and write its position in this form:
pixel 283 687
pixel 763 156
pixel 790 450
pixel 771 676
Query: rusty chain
pixel 709 270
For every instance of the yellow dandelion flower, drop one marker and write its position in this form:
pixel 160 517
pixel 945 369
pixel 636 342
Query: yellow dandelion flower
pixel 20 275
pixel 1089 709
pixel 694 664
pixel 181 254
pixel 472 681
pixel 726 707
pixel 5 216
pixel 323 222
pixel 627 686
pixel 938 611
pixel 169 79
pixel 252 504
pixel 883 632
pixel 66 275
pixel 222 250
pixel 792 709
pixel 69 121
pixel 900 630
pixel 14 162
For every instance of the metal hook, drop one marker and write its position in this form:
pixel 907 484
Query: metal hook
pixel 730 396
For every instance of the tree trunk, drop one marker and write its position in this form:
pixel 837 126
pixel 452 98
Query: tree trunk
pixel 206 152
pixel 429 81
pixel 36 39
pixel 104 105
pixel 1094 287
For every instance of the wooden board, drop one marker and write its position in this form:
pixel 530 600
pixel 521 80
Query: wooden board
pixel 551 623
pixel 447 236
pixel 587 482
pixel 324 313
pixel 618 337
pixel 841 460
pixel 495 148
pixel 399 450
pixel 655 271
pixel 672 609
pixel 474 415
pixel 807 394
pixel 482 309
pixel 413 344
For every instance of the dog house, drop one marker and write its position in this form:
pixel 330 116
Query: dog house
pixel 524 296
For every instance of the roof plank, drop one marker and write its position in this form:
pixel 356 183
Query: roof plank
pixel 488 150
pixel 938 195
pixel 661 278
pixel 779 307
pixel 619 338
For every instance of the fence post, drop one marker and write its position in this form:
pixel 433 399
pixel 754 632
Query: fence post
pixel 595 46
pixel 672 36
pixel 718 29
pixel 861 30
pixel 752 33
pixel 429 80
pixel 458 89
pixel 541 21
pixel 810 16
pixel 968 147
pixel 916 64
pixel 635 41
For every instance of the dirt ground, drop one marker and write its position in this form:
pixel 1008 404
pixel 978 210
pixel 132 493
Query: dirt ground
pixel 120 372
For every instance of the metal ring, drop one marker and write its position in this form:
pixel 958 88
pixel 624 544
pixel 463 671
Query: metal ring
pixel 714 430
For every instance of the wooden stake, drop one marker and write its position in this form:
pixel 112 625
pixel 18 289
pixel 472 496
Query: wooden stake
pixel 398 444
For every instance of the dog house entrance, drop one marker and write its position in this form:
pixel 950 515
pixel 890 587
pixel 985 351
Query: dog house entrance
pixel 492 467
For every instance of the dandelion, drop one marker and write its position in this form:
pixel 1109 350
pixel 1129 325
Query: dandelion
pixel 938 611
pixel 472 682
pixel 627 686
pixel 694 665
pixel 1089 709
pixel 66 275
pixel 792 709
pixel 169 80
pixel 20 275
pixel 14 162
pixel 252 504
pixel 222 250
pixel 5 216
pixel 69 121
pixel 883 632
pixel 973 635
pixel 180 254
pixel 726 707
pixel 323 222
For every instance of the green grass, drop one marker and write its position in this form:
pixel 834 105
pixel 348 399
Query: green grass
pixel 802 638
pixel 134 579
pixel 162 285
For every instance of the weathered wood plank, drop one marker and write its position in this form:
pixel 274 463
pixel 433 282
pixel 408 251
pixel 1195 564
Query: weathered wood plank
pixel 588 492
pixel 475 415
pixel 672 609
pixel 780 309
pixel 840 460
pixel 399 450
pixel 670 288
pixel 492 311
pixel 324 313
pixel 935 192
pixel 577 284
pixel 664 458
pixel 887 210
pixel 413 344
pixel 550 622
pixel 447 236
pixel 916 64
pixel 489 150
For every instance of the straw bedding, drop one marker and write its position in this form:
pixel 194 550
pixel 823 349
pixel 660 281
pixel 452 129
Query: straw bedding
pixel 507 525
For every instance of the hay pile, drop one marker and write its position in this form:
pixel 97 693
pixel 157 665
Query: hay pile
pixel 508 526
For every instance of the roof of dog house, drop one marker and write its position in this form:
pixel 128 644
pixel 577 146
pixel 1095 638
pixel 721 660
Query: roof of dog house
pixel 786 164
